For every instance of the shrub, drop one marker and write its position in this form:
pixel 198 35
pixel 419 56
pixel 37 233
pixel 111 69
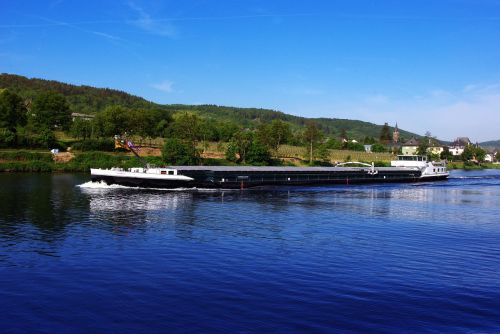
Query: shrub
pixel 178 152
pixel 103 144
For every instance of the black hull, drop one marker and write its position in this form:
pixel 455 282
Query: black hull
pixel 216 179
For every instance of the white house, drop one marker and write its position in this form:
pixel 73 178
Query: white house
pixel 410 146
pixel 458 146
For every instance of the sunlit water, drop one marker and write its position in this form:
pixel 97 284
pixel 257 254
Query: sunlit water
pixel 405 258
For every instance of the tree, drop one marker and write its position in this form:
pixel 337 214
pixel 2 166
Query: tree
pixel 369 140
pixel 12 111
pixel 51 110
pixel 497 156
pixel 258 153
pixel 7 137
pixel 178 152
pixel 186 126
pixel 378 148
pixel 312 135
pixel 112 121
pixel 239 145
pixel 81 128
pixel 423 147
pixel 385 134
pixel 446 154
pixel 473 152
pixel 274 134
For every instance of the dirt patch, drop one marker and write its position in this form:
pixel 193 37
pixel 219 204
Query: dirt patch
pixel 150 151
pixel 213 155
pixel 63 157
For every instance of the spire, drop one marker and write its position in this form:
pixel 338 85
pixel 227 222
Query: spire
pixel 395 134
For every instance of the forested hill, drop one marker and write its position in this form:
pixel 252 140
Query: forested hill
pixel 91 100
pixel 490 144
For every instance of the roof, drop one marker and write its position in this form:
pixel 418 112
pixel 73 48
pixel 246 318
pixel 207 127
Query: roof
pixel 461 141
pixel 412 142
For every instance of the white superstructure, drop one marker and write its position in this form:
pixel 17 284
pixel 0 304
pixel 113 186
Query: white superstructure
pixel 428 168
pixel 142 173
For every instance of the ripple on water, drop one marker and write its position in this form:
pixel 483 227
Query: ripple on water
pixel 377 258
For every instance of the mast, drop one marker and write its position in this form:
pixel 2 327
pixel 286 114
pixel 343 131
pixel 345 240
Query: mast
pixel 122 142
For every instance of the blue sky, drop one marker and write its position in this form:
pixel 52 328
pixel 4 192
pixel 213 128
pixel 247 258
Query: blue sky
pixel 427 65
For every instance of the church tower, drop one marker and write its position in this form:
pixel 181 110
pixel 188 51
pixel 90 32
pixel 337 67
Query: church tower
pixel 395 135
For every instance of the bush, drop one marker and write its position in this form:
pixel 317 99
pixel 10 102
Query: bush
pixel 7 137
pixel 103 144
pixel 378 148
pixel 25 156
pixel 178 152
pixel 258 154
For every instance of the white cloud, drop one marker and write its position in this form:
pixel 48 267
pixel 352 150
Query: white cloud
pixel 458 114
pixel 377 99
pixel 150 25
pixel 164 86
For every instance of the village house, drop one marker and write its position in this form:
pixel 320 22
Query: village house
pixel 85 117
pixel 457 147
pixel 410 147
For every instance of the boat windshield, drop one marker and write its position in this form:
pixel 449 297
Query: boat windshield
pixel 411 158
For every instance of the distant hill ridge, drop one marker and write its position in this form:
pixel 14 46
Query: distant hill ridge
pixel 91 100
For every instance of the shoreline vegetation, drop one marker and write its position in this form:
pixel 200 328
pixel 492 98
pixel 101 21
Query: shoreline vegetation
pixel 38 116
pixel 42 161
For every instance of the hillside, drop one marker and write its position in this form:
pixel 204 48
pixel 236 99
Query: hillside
pixel 86 99
pixel 491 144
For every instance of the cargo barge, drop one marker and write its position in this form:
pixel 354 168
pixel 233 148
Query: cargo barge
pixel 405 169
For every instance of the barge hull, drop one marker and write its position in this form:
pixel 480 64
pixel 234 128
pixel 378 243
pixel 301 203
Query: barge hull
pixel 251 177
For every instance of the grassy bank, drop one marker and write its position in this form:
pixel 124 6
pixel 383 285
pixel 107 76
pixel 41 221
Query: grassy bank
pixel 26 161
pixel 42 161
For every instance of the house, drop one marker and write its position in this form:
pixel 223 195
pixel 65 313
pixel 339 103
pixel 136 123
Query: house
pixel 435 147
pixel 368 148
pixel 458 146
pixel 489 157
pixel 410 147
pixel 85 117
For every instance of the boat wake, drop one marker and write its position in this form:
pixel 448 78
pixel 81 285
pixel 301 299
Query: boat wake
pixel 103 185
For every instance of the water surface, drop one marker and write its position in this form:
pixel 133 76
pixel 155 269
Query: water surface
pixel 403 258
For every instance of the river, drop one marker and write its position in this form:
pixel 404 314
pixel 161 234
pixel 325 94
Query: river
pixel 401 258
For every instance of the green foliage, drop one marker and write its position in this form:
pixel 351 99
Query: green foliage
pixel 85 99
pixel 50 110
pixel 378 148
pixel 7 138
pixel 239 146
pixel 355 147
pixel 186 126
pixel 112 121
pixel 369 140
pixel 423 147
pixel 385 134
pixel 47 139
pixel 473 152
pixel 25 156
pixel 102 144
pixel 274 134
pixel 446 154
pixel 232 152
pixel 312 136
pixel 12 111
pixel 258 154
pixel 333 144
pixel 179 152
pixel 323 153
pixel 81 128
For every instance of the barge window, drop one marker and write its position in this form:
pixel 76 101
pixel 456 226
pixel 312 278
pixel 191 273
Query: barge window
pixel 163 172
pixel 170 172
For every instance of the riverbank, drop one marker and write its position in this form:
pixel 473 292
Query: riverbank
pixel 43 161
